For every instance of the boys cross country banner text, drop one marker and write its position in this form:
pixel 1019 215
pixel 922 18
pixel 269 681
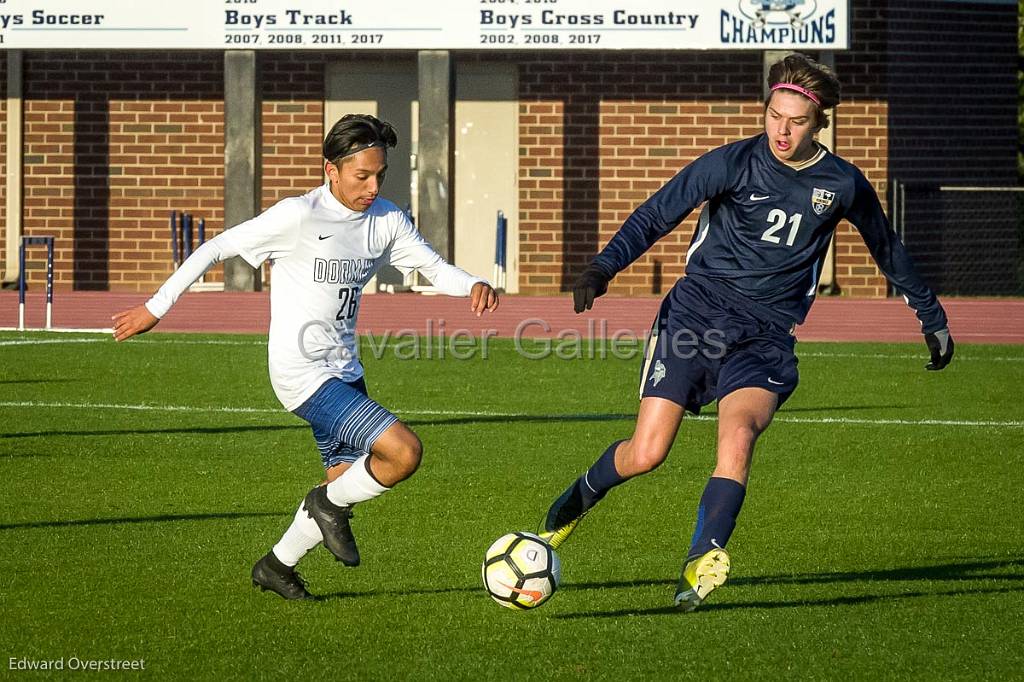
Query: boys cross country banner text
pixel 440 24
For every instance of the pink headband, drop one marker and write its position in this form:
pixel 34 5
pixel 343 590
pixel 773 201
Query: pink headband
pixel 796 88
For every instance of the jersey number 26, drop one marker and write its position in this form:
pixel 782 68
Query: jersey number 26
pixel 349 297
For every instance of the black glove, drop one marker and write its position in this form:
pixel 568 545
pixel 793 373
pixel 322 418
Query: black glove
pixel 591 284
pixel 940 345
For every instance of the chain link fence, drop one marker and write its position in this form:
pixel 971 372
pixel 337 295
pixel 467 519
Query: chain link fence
pixel 965 241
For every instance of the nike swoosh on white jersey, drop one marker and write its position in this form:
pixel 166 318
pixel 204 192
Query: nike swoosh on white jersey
pixel 754 197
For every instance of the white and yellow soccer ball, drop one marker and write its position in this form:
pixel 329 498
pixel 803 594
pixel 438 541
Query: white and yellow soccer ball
pixel 521 571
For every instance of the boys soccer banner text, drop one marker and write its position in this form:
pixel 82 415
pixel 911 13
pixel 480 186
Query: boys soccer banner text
pixel 408 24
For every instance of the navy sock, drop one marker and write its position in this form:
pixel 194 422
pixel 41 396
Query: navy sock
pixel 585 491
pixel 601 477
pixel 716 516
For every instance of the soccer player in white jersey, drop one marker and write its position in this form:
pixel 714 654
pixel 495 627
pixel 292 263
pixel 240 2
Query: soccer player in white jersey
pixel 324 247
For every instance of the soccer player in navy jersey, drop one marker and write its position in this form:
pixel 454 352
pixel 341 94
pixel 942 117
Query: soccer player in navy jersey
pixel 725 330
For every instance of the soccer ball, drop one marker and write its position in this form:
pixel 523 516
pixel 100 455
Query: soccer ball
pixel 521 571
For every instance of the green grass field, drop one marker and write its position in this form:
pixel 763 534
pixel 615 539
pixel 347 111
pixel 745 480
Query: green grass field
pixel 882 536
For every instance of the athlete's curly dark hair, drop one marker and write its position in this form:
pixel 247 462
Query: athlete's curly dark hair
pixel 356 132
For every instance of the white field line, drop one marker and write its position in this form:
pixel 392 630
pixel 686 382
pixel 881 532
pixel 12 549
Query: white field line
pixel 182 342
pixel 42 342
pixel 61 330
pixel 960 357
pixel 923 356
pixel 510 415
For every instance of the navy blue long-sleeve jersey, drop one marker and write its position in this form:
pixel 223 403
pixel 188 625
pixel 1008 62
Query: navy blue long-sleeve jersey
pixel 768 228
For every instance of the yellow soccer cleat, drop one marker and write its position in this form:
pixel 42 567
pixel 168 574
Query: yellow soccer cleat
pixel 700 578
pixel 564 515
pixel 559 535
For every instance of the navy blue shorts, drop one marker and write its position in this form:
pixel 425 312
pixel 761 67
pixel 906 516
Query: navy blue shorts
pixel 346 422
pixel 706 344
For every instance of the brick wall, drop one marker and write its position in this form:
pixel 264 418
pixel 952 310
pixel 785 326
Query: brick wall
pixel 114 141
pixel 862 139
pixel 292 119
pixel 861 135
pixel 293 123
pixel 599 133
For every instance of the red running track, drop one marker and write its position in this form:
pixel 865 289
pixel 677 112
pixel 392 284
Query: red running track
pixel 831 319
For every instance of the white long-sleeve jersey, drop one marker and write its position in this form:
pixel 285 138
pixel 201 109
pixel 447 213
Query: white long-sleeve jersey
pixel 322 255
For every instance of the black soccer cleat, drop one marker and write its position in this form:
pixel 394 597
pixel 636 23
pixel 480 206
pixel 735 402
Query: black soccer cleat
pixel 270 574
pixel 333 523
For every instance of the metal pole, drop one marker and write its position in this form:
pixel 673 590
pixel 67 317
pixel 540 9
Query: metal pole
pixel 435 161
pixel 903 211
pixel 241 158
pixel 503 248
pixel 202 240
pixel 186 236
pixel 175 255
pixel 21 286
pixel 15 145
pixel 897 224
pixel 49 282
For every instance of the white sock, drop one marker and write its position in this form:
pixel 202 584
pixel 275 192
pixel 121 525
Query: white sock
pixel 355 485
pixel 302 536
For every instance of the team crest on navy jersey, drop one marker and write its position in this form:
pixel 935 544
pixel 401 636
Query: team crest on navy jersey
pixel 821 200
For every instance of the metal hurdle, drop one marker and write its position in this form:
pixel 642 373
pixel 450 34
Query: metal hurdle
pixel 188 232
pixel 22 279
pixel 500 250
pixel 186 236
pixel 182 236
pixel 175 242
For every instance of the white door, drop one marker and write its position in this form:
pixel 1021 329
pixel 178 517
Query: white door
pixel 486 150
pixel 486 166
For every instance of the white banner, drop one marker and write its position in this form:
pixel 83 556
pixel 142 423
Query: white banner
pixel 413 24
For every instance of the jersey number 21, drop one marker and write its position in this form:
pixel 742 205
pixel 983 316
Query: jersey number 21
pixel 777 220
